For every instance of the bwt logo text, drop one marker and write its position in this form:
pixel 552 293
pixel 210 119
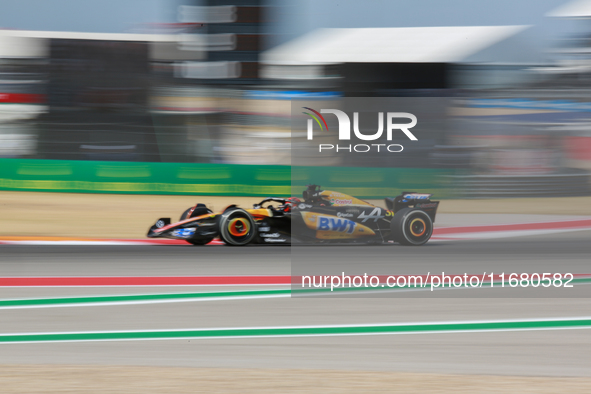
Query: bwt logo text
pixel 345 130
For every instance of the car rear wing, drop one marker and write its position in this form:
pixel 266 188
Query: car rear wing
pixel 416 200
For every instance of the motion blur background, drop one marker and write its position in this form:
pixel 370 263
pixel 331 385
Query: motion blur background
pixel 161 104
pixel 207 85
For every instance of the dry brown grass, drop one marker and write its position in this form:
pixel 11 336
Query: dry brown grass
pixel 94 215
pixel 130 216
pixel 147 380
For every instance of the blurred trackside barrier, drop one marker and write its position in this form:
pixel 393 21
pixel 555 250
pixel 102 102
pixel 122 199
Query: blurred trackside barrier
pixel 211 179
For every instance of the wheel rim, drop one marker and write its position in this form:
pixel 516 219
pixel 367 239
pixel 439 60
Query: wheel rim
pixel 418 227
pixel 238 227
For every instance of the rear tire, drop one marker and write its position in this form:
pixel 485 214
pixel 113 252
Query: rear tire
pixel 411 227
pixel 237 227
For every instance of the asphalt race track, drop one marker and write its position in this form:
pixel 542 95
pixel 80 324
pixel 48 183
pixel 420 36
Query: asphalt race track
pixel 548 252
pixel 550 352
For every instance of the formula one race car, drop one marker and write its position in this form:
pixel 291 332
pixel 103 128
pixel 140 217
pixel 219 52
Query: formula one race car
pixel 321 216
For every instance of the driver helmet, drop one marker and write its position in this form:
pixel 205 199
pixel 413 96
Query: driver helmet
pixel 289 202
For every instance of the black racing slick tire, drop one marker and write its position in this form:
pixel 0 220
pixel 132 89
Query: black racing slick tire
pixel 185 214
pixel 198 242
pixel 411 227
pixel 237 227
pixel 199 209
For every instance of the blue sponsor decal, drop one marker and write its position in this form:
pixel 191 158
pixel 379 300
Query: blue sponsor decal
pixel 290 95
pixel 335 224
pixel 416 197
pixel 560 105
pixel 184 232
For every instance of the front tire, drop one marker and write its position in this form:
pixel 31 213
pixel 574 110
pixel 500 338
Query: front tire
pixel 199 209
pixel 185 214
pixel 237 227
pixel 198 242
pixel 411 227
pixel 190 212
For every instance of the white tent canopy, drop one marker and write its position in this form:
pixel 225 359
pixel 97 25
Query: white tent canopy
pixel 447 44
pixel 574 9
pixel 33 43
